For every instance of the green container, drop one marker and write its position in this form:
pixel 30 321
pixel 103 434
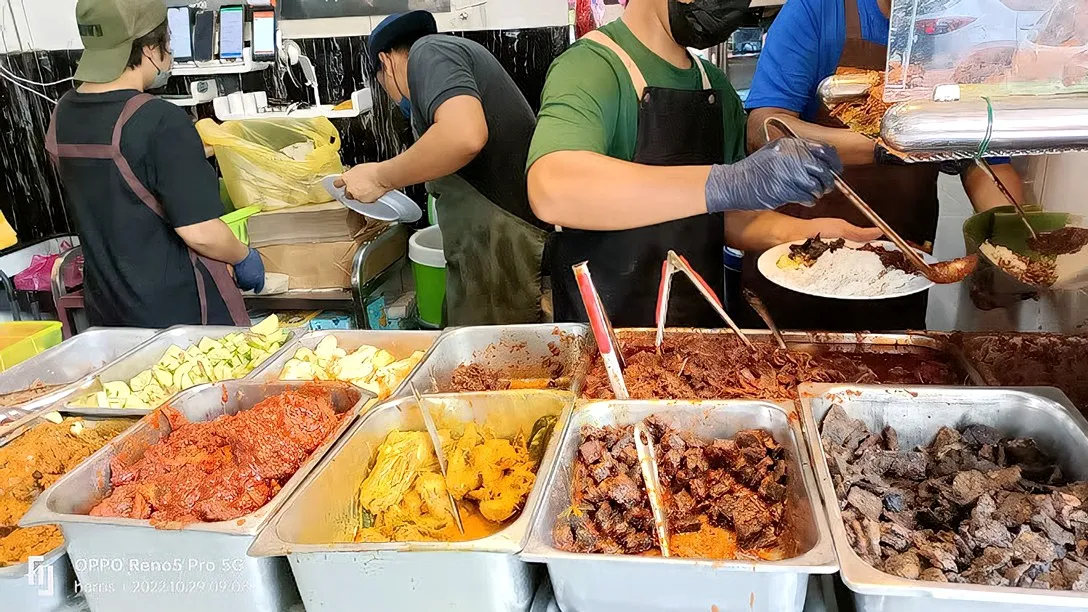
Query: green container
pixel 429 271
pixel 237 221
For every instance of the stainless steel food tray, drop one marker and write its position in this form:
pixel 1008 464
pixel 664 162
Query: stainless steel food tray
pixel 68 363
pixel 315 529
pixel 54 580
pixel 877 342
pixel 623 583
pixel 400 343
pixel 143 357
pixel 917 413
pixel 126 564
pixel 1021 125
pixel 546 351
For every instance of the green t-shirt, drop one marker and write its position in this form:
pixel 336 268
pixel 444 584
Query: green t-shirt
pixel 589 103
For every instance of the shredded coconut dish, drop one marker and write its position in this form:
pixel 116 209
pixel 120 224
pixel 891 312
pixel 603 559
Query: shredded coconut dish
pixel 831 268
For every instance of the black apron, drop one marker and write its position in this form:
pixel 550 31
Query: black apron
pixel 675 128
pixel 905 196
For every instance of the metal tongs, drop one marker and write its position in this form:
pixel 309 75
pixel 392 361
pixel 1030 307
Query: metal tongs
pixel 761 309
pixel 676 263
pixel 651 478
pixel 942 273
pixel 607 343
pixel 432 431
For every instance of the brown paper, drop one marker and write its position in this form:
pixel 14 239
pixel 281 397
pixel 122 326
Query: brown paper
pixel 312 266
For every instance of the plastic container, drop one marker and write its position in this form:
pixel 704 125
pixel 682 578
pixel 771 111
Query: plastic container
pixel 21 340
pixel 429 270
pixel 988 47
pixel 237 222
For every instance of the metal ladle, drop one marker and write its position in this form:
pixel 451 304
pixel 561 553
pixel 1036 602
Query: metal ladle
pixel 942 273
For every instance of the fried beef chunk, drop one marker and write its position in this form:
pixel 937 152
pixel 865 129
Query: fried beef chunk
pixel 738 484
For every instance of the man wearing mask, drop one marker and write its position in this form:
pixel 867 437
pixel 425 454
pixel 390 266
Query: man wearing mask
pixel 808 41
pixel 472 128
pixel 639 149
pixel 143 196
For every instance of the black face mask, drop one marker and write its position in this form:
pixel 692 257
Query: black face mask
pixel 701 24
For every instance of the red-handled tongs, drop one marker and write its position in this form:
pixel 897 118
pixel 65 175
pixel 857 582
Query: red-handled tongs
pixel 607 343
pixel 672 264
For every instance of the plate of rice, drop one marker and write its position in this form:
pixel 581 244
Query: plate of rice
pixel 844 270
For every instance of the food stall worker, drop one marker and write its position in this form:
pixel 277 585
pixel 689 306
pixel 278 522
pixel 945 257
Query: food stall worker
pixel 639 149
pixel 144 198
pixel 806 43
pixel 472 127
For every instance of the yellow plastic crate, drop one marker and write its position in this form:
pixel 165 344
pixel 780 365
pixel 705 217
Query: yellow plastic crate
pixel 21 340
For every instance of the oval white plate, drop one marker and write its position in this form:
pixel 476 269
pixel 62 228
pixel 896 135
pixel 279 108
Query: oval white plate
pixel 768 267
pixel 393 207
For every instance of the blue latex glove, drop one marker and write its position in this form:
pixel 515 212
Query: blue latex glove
pixel 249 273
pixel 783 171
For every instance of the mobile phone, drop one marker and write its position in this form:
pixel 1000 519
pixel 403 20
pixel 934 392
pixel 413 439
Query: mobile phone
pixel 231 21
pixel 179 19
pixel 264 34
pixel 204 36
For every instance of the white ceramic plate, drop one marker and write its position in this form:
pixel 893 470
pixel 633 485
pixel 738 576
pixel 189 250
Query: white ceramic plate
pixel 393 207
pixel 768 266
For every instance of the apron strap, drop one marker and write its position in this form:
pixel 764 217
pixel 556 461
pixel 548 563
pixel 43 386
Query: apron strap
pixel 232 297
pixel 702 69
pixel 637 79
pixel 853 19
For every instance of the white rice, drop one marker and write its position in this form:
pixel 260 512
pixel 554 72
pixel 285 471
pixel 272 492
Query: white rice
pixel 848 273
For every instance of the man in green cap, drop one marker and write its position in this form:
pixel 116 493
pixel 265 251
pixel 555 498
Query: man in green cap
pixel 144 198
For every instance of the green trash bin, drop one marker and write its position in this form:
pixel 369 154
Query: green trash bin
pixel 429 271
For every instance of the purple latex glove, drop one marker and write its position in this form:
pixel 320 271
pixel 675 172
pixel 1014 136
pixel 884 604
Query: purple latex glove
pixel 784 171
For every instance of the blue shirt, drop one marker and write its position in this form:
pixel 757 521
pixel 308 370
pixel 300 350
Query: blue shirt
pixel 803 47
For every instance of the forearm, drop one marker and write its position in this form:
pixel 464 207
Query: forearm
pixel 984 194
pixel 436 154
pixel 854 149
pixel 584 190
pixel 757 231
pixel 214 240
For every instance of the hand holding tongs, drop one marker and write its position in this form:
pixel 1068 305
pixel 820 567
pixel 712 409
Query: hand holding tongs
pixel 651 479
pixel 941 273
pixel 672 264
pixel 432 431
pixel 607 343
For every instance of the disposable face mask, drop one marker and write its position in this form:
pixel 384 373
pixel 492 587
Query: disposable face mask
pixel 406 108
pixel 162 77
pixel 702 24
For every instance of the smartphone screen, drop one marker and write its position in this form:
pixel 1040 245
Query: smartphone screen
pixel 181 34
pixel 204 36
pixel 231 20
pixel 264 34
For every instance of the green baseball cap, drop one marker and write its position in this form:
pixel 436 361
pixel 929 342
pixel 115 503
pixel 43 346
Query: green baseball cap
pixel 107 28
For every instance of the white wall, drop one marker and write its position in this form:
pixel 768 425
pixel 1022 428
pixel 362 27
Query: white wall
pixel 50 24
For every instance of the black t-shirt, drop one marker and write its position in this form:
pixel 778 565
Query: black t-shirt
pixel 441 67
pixel 137 270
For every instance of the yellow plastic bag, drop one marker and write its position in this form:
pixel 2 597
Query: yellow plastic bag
pixel 258 172
pixel 7 234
